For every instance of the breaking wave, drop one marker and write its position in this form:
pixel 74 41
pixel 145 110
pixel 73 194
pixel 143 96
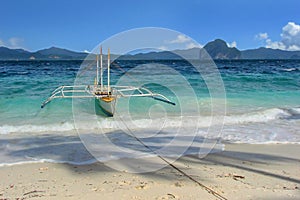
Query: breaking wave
pixel 178 121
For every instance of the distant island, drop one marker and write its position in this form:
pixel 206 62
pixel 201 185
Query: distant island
pixel 217 49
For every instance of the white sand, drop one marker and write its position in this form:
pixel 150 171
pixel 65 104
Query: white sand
pixel 242 171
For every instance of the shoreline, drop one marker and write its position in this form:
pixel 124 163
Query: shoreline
pixel 242 171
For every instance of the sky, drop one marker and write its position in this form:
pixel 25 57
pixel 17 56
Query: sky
pixel 80 25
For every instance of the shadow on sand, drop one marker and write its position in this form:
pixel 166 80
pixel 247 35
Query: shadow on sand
pixel 71 151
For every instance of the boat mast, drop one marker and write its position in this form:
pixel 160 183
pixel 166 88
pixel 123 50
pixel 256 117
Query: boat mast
pixel 108 73
pixel 101 70
pixel 97 71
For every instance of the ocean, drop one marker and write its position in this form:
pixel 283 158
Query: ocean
pixel 262 106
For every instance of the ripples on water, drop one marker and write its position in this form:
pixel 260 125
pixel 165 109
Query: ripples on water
pixel 263 97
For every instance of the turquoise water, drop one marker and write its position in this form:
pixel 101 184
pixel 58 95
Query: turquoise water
pixel 262 100
pixel 249 85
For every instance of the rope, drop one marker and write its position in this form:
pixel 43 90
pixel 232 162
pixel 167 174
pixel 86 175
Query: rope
pixel 209 190
pixel 88 67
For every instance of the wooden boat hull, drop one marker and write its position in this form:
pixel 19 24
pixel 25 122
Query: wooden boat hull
pixel 105 106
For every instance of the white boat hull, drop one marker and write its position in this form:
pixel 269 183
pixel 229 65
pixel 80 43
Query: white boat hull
pixel 104 106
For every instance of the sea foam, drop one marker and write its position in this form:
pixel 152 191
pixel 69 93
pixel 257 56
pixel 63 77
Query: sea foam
pixel 119 122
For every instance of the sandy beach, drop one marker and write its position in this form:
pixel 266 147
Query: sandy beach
pixel 150 100
pixel 242 171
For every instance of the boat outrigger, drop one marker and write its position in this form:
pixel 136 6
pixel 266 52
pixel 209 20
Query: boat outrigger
pixel 105 96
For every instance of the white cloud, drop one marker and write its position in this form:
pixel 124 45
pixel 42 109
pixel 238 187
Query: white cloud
pixel 15 42
pixel 290 38
pixel 291 29
pixel 275 45
pixel 232 44
pixel 180 42
pixel 262 36
pixel 294 48
pixel 163 48
pixel 180 39
pixel 86 51
pixel 193 45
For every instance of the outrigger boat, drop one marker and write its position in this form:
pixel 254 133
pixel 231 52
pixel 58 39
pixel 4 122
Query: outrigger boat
pixel 105 96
